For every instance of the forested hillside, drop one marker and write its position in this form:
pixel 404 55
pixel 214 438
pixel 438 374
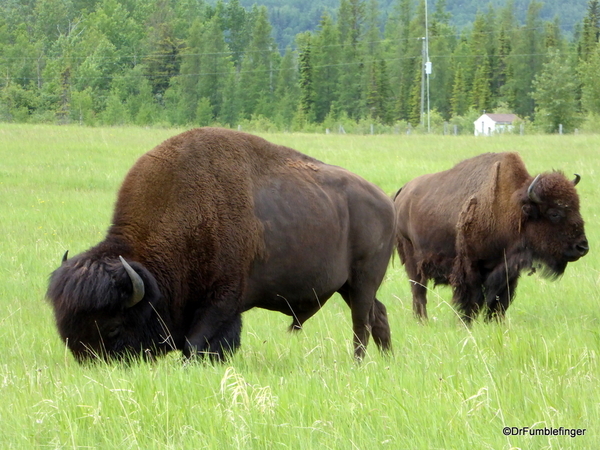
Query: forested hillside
pixel 290 17
pixel 570 13
pixel 187 62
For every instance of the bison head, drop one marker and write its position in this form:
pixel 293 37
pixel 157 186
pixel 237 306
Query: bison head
pixel 107 308
pixel 553 226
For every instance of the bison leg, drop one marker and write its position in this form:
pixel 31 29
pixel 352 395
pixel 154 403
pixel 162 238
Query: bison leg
pixel 214 333
pixel 467 285
pixel 468 300
pixel 500 288
pixel 368 316
pixel 419 292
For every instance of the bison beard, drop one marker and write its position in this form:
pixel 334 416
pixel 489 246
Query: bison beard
pixel 211 223
pixel 478 225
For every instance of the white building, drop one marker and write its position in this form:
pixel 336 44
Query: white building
pixel 489 124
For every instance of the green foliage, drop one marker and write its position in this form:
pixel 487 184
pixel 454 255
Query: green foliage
pixel 555 94
pixel 481 96
pixel 326 67
pixel 591 30
pixel 204 114
pixel 150 62
pixel 459 102
pixel 306 79
pixel 257 69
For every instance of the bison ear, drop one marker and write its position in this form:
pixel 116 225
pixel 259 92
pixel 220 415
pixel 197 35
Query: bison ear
pixel 530 210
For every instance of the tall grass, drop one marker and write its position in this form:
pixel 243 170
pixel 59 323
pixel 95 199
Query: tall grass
pixel 445 386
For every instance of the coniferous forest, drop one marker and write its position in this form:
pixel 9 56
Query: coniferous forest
pixel 191 62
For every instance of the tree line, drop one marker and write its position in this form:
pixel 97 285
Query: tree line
pixel 186 62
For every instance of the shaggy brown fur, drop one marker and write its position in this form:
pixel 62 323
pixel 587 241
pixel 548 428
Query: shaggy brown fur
pixel 474 227
pixel 217 222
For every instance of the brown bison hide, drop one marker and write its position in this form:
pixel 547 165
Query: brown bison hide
pixel 216 222
pixel 475 227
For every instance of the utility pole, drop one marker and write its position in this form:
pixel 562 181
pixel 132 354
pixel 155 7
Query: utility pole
pixel 423 56
pixel 427 66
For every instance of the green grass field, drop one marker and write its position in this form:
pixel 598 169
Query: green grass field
pixel 445 387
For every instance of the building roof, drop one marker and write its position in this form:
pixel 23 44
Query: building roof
pixel 503 118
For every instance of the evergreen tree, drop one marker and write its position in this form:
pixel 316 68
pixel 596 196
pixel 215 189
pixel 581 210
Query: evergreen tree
pixel 404 52
pixel 326 69
pixel 163 61
pixel 502 73
pixel 215 66
pixel 375 74
pixel 481 97
pixel 477 48
pixel 415 117
pixel 555 89
pixel 526 60
pixel 257 74
pixel 590 35
pixel 379 99
pixel 204 112
pixel 237 24
pixel 184 91
pixel 287 90
pixel 350 87
pixel 232 103
pixel 459 100
pixel 307 92
pixel 590 88
pixel 552 35
pixel 442 42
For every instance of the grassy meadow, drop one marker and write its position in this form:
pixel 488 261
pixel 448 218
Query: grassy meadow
pixel 445 386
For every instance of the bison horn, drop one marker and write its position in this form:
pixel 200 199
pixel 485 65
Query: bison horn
pixel 65 257
pixel 136 281
pixel 531 191
pixel 576 180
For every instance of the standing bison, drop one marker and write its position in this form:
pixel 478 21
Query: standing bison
pixel 479 224
pixel 211 223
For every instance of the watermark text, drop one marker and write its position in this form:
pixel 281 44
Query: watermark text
pixel 551 431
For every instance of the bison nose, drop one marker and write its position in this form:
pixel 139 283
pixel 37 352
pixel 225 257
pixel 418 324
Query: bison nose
pixel 582 247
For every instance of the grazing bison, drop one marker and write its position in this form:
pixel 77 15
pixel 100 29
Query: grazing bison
pixel 479 224
pixel 211 223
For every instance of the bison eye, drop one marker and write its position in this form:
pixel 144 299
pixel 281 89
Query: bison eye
pixel 554 215
pixel 113 332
